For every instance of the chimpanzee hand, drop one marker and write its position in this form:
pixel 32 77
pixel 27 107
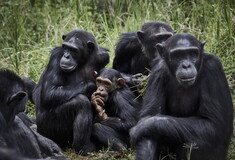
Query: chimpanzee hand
pixel 137 78
pixel 98 102
pixel 133 80
pixel 97 99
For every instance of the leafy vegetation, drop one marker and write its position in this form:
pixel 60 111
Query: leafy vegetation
pixel 29 29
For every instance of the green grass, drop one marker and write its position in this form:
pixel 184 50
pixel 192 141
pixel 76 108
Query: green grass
pixel 104 154
pixel 29 29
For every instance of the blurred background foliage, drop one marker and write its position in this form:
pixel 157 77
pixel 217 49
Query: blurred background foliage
pixel 30 29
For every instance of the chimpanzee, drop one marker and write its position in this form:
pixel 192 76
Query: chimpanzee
pixel 16 135
pixel 135 50
pixel 63 109
pixel 187 110
pixel 117 110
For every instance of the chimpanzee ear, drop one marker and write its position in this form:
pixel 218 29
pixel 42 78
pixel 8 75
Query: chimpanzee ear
pixel 64 36
pixel 90 45
pixel 140 35
pixel 95 74
pixel 203 43
pixel 121 82
pixel 161 49
pixel 16 98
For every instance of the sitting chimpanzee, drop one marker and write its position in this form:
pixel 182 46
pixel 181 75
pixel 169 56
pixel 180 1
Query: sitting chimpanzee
pixel 64 111
pixel 16 135
pixel 135 50
pixel 117 110
pixel 187 107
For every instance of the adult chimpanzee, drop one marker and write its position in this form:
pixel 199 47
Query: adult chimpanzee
pixel 16 134
pixel 187 106
pixel 117 110
pixel 64 112
pixel 135 50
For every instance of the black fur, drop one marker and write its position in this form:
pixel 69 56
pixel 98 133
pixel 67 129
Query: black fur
pixel 121 108
pixel 64 112
pixel 129 58
pixel 16 134
pixel 175 118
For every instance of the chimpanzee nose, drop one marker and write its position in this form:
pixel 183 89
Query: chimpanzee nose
pixel 101 89
pixel 66 55
pixel 186 65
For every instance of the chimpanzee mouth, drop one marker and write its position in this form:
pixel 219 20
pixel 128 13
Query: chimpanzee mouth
pixel 187 79
pixel 68 68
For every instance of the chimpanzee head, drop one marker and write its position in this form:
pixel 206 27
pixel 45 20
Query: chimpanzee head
pixel 78 46
pixel 152 33
pixel 182 53
pixel 107 81
pixel 13 96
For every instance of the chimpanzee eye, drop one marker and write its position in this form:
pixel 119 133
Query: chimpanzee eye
pixel 107 84
pixel 73 50
pixel 98 81
pixel 65 47
pixel 194 56
pixel 160 39
pixel 176 56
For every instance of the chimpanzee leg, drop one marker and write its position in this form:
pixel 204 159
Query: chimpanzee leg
pixel 82 126
pixel 108 136
pixel 146 149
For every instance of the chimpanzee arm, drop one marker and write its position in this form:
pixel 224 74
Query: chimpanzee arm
pixel 152 106
pixel 133 80
pixel 126 111
pixel 55 95
pixel 212 121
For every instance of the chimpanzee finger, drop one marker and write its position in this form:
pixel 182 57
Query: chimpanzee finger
pixel 99 101
pixel 138 75
pixel 97 93
pixel 100 97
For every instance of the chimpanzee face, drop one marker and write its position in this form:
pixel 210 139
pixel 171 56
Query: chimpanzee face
pixel 185 64
pixel 182 54
pixel 108 81
pixel 68 61
pixel 76 46
pixel 157 33
pixel 104 87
